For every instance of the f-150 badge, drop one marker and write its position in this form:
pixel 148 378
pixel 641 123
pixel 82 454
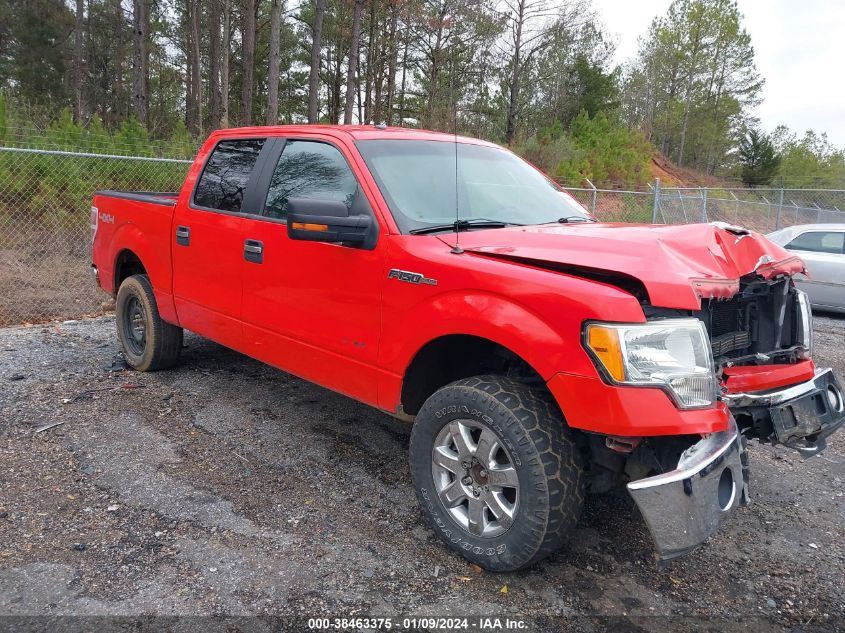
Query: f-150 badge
pixel 411 278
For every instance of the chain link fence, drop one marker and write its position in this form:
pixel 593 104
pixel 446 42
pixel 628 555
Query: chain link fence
pixel 45 202
pixel 762 210
pixel 45 234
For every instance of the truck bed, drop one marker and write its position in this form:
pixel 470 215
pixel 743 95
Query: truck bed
pixel 140 218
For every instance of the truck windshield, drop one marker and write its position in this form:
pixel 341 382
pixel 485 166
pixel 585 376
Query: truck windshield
pixel 422 187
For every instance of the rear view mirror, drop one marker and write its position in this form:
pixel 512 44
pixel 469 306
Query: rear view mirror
pixel 327 221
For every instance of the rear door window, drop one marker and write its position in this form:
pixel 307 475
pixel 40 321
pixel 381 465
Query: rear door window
pixel 819 242
pixel 224 179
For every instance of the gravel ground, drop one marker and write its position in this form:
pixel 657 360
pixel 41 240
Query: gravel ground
pixel 225 487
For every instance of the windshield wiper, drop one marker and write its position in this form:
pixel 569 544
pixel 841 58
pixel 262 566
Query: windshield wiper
pixel 464 225
pixel 571 219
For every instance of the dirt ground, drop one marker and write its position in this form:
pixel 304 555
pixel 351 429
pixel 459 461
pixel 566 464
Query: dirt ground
pixel 227 488
pixel 38 284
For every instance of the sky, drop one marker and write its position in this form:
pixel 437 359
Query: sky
pixel 799 48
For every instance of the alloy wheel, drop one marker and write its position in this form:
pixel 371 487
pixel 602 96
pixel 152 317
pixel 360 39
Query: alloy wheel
pixel 475 478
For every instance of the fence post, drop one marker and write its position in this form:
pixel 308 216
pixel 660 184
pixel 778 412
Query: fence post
pixel 593 203
pixel 683 206
pixel 780 208
pixel 736 207
pixel 703 204
pixel 768 211
pixel 656 206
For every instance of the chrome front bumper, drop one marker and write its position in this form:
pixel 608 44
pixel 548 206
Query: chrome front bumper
pixel 685 506
pixel 778 396
pixel 801 416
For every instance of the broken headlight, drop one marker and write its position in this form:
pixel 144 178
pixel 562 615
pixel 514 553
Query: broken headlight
pixel 673 354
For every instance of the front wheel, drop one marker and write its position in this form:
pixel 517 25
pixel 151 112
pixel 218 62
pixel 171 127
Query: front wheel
pixel 148 342
pixel 497 471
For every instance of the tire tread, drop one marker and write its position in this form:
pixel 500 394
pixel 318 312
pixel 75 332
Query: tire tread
pixel 164 339
pixel 556 454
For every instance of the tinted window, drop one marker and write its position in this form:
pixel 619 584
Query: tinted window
pixel 312 170
pixel 226 174
pixel 819 242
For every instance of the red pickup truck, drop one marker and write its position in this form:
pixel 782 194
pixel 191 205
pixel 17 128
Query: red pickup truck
pixel 540 355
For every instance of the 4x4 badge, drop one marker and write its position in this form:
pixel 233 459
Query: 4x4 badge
pixel 411 278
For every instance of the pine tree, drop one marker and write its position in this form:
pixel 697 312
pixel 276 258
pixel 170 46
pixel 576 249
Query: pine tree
pixel 759 161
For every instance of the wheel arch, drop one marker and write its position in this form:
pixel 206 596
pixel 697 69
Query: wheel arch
pixel 451 357
pixel 456 327
pixel 126 264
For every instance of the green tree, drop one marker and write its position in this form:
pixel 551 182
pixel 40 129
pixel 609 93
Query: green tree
pixel 692 85
pixel 451 41
pixel 36 44
pixel 574 71
pixel 809 161
pixel 606 152
pixel 527 34
pixel 758 158
pixel 594 89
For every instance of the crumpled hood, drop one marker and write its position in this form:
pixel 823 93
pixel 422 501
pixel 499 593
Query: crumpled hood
pixel 677 264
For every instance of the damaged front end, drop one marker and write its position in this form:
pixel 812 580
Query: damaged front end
pixel 761 344
pixel 726 336
pixel 800 416
pixel 683 506
pixel 762 341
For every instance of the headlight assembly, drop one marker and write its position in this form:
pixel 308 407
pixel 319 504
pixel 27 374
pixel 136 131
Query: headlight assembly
pixel 673 354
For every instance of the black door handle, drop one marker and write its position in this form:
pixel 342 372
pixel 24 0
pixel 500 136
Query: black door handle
pixel 254 251
pixel 183 235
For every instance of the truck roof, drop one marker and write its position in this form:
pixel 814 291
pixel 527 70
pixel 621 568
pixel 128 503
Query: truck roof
pixel 353 132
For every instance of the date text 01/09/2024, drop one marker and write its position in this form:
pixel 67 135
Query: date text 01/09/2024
pixel 422 623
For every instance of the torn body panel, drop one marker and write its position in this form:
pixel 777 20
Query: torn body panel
pixel 800 416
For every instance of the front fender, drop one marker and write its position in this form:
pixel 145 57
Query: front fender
pixel 487 315
pixel 535 313
pixel 482 314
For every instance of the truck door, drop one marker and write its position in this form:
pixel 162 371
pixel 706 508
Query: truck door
pixel 313 308
pixel 208 244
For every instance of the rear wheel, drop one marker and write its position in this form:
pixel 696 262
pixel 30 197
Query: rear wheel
pixel 148 342
pixel 497 471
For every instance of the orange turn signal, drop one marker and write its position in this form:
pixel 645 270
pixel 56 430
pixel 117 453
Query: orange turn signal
pixel 303 226
pixel 604 342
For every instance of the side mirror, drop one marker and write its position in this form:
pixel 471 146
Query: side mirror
pixel 326 221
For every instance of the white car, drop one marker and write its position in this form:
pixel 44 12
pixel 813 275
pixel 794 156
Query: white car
pixel 822 247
